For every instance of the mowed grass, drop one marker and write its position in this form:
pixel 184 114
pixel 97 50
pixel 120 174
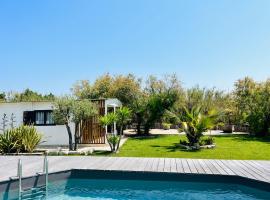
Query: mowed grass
pixel 240 147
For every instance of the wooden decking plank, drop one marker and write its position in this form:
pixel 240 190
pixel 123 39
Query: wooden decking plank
pixel 108 163
pixel 173 165
pixel 258 170
pixel 186 166
pixel 161 163
pixel 154 166
pixel 252 170
pixel 192 166
pixel 179 166
pixel 224 167
pixel 198 166
pixel 204 166
pixel 167 165
pixel 237 169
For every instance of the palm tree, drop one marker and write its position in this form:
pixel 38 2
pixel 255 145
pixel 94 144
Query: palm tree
pixel 195 123
pixel 123 115
pixel 113 140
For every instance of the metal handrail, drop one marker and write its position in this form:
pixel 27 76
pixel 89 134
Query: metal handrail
pixel 45 172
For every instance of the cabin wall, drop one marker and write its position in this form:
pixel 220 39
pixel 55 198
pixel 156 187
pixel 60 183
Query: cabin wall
pixel 52 134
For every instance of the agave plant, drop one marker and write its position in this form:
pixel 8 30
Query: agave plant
pixel 8 142
pixel 30 138
pixel 21 139
pixel 195 123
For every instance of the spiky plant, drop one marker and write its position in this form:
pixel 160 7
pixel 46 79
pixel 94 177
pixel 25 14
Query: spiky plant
pixel 195 123
pixel 8 142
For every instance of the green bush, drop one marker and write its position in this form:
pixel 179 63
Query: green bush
pixel 8 142
pixel 207 141
pixel 166 126
pixel 113 141
pixel 23 139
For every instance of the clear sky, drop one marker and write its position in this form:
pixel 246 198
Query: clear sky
pixel 48 45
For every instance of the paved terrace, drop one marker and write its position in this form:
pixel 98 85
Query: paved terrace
pixel 258 170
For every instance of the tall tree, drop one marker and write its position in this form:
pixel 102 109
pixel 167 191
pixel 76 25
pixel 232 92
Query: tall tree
pixel 123 115
pixel 67 110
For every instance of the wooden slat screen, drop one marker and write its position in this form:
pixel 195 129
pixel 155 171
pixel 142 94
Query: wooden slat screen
pixel 91 132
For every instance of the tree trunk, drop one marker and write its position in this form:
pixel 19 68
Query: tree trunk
pixel 76 136
pixel 69 136
pixel 121 130
pixel 118 144
pixel 146 129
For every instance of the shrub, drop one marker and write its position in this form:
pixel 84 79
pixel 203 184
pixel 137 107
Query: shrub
pixel 8 142
pixel 166 126
pixel 113 141
pixel 196 122
pixel 23 139
pixel 207 141
pixel 30 138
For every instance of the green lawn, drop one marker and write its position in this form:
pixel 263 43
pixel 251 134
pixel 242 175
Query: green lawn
pixel 227 147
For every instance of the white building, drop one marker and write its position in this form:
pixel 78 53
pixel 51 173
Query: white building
pixel 40 115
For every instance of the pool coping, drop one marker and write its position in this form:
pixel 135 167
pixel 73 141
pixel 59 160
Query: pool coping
pixel 257 172
pixel 39 179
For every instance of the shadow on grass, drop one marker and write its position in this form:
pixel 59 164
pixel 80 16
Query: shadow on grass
pixel 174 148
pixel 145 137
pixel 247 138
pixel 102 153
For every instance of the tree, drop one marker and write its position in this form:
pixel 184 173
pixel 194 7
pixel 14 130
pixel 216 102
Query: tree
pixel 113 139
pixel 253 104
pixel 67 110
pixel 196 122
pixel 123 115
pixel 62 114
pixel 125 88
pixel 82 110
pixel 2 97
pixel 159 96
pixel 29 95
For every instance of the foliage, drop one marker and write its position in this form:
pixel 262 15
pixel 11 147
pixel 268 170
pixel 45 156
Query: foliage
pixel 196 122
pixel 121 87
pixel 83 110
pixel 30 138
pixel 22 139
pixel 67 109
pixel 8 142
pixel 2 97
pixel 158 97
pixel 166 126
pixel 123 116
pixel 108 119
pixel 114 141
pixel 253 103
pixel 207 141
pixel 29 95
pixel 125 88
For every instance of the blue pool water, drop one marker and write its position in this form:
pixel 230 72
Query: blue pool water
pixel 87 189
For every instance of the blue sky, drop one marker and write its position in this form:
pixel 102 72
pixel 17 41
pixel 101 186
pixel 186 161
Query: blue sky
pixel 48 45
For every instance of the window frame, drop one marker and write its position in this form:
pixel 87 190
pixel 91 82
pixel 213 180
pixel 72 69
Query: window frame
pixel 45 118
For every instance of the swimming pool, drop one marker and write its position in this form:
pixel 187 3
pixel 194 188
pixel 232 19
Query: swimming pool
pixel 124 186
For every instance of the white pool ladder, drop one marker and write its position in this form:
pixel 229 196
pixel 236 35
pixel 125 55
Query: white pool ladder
pixel 45 172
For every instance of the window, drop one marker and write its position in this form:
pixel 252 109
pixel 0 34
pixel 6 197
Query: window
pixel 38 117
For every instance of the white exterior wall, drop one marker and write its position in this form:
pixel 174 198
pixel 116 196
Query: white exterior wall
pixel 52 135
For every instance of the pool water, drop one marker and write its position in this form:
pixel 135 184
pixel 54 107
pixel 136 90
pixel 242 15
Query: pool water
pixel 101 189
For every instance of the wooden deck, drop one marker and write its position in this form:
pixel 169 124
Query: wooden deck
pixel 258 170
